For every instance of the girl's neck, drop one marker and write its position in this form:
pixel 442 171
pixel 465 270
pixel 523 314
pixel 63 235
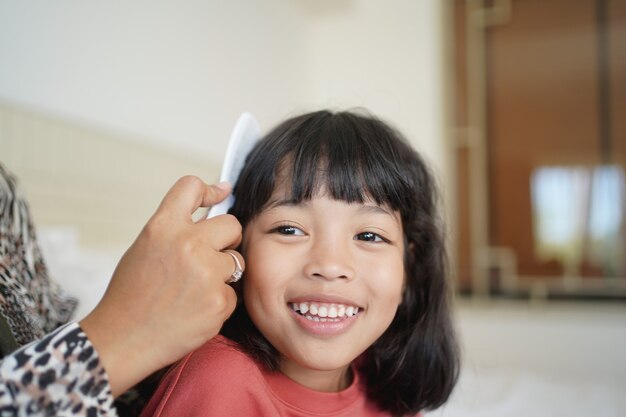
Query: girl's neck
pixel 325 381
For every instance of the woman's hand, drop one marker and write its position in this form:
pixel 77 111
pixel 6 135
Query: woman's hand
pixel 168 295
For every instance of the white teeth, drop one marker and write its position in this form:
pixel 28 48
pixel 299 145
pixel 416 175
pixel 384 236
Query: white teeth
pixel 316 318
pixel 330 311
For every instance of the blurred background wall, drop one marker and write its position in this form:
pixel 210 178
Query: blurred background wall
pixel 172 77
pixel 541 148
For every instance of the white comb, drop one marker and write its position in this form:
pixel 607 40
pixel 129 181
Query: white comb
pixel 245 135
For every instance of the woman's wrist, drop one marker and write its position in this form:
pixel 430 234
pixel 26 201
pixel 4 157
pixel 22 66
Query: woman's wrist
pixel 122 351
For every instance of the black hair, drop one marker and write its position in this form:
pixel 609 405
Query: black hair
pixel 414 365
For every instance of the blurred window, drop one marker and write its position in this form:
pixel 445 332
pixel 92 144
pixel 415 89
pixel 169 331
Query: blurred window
pixel 578 216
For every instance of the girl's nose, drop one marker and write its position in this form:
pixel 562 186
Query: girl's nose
pixel 329 261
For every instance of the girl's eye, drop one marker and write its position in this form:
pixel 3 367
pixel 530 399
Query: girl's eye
pixel 288 230
pixel 370 237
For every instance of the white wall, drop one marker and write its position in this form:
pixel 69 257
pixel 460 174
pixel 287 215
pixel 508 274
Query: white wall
pixel 386 56
pixel 176 73
pixel 179 73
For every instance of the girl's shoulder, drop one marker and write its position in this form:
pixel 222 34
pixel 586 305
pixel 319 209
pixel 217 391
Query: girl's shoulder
pixel 218 361
pixel 216 378
pixel 218 349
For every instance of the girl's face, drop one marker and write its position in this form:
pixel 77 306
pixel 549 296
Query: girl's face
pixel 323 281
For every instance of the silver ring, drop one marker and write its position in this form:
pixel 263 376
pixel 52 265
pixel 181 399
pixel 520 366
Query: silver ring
pixel 238 273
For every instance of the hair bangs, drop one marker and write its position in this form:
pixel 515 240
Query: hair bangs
pixel 350 157
pixel 345 160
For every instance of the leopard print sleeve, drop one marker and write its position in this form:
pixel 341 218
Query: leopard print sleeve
pixel 58 375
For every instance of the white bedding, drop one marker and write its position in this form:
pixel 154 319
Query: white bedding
pixel 83 272
pixel 532 393
pixel 540 359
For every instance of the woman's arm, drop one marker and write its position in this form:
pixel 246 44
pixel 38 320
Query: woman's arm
pixel 59 375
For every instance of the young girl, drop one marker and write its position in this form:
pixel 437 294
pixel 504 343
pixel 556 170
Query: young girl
pixel 344 302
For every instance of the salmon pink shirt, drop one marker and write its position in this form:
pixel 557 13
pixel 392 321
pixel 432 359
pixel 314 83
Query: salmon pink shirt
pixel 218 380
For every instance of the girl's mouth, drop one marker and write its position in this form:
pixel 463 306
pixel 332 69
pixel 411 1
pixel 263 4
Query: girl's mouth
pixel 325 312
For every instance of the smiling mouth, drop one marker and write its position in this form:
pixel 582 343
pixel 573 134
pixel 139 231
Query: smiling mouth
pixel 325 312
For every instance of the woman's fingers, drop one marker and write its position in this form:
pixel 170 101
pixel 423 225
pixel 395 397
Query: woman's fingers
pixel 190 193
pixel 223 231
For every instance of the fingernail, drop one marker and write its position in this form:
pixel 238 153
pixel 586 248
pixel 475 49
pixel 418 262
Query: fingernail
pixel 224 185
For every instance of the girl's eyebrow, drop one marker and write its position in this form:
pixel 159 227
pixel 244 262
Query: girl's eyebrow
pixel 384 210
pixel 372 208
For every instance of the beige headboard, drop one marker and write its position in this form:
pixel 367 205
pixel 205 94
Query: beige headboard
pixel 104 184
